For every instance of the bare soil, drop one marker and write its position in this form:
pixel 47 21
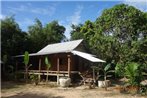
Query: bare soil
pixel 21 90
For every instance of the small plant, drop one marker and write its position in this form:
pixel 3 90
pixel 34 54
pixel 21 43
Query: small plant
pixel 26 62
pixel 48 65
pixel 133 73
pixel 106 70
pixel 134 76
pixel 34 78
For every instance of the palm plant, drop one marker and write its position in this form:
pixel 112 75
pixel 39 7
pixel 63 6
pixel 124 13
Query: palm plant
pixel 133 73
pixel 48 65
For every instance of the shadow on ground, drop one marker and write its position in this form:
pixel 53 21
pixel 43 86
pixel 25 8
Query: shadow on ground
pixel 29 95
pixel 10 84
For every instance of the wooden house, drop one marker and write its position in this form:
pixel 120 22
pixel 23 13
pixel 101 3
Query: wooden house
pixel 66 58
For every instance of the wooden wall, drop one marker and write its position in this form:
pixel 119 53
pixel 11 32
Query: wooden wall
pixel 77 63
pixel 63 59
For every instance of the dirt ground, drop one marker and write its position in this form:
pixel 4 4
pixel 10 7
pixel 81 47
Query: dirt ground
pixel 20 90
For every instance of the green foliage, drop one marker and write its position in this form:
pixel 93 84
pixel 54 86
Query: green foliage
pixel 75 33
pixel 5 59
pixel 40 36
pixel 34 78
pixel 26 62
pixel 12 37
pixel 119 70
pixel 133 73
pixel 118 34
pixel 48 64
pixel 107 69
pixel 26 58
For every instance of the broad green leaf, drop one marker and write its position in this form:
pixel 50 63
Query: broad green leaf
pixel 26 58
pixel 48 64
pixel 107 67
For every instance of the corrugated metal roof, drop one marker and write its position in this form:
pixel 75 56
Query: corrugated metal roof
pixel 57 48
pixel 87 56
pixel 60 47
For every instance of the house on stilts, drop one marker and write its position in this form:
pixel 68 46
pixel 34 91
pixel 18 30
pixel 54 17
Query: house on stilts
pixel 66 58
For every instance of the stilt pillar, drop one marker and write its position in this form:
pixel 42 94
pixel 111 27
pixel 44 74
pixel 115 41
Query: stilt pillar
pixel 39 76
pixel 58 70
pixel 69 65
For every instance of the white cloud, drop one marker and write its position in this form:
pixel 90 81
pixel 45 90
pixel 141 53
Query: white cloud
pixel 73 19
pixel 47 10
pixel 76 17
pixel 2 16
pixel 25 22
pixel 140 4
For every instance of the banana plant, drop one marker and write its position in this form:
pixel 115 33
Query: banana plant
pixel 26 62
pixel 107 70
pixel 48 65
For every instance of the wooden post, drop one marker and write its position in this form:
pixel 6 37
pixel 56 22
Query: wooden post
pixel 93 74
pixel 39 75
pixel 58 69
pixel 69 69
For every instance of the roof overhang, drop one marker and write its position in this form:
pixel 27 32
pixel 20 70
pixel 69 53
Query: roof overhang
pixel 84 55
pixel 44 53
pixel 87 56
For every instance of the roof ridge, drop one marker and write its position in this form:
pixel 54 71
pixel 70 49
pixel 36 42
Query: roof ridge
pixel 80 40
pixel 65 42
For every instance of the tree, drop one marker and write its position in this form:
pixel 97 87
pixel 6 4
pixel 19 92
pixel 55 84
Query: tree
pixel 36 35
pixel 124 23
pixel 83 31
pixel 13 41
pixel 75 33
pixel 53 33
pixel 12 37
pixel 41 36
pixel 118 34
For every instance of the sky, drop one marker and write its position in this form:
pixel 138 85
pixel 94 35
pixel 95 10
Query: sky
pixel 65 12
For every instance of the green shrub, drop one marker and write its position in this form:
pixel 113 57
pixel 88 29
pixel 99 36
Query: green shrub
pixel 133 74
pixel 119 70
pixel 34 78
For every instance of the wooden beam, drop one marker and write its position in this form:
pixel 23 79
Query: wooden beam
pixel 69 65
pixel 39 76
pixel 58 70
